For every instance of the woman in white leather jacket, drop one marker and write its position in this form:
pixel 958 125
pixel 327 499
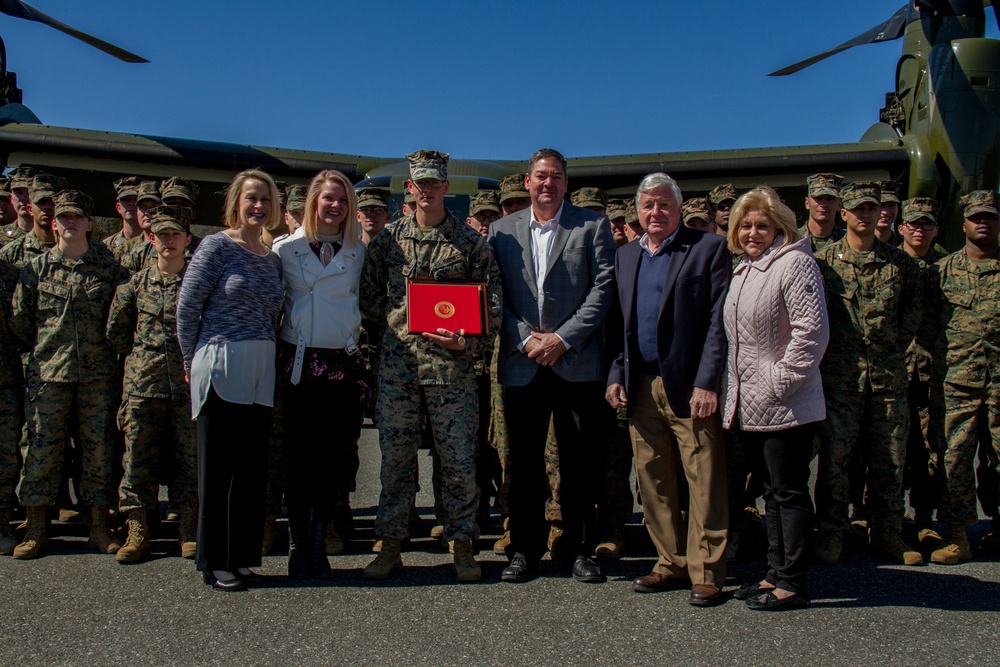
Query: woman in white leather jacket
pixel 321 370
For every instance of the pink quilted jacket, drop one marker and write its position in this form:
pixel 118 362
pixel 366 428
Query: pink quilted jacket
pixel 778 329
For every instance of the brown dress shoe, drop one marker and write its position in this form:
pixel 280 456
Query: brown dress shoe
pixel 654 582
pixel 705 595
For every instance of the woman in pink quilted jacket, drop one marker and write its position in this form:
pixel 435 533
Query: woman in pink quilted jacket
pixel 776 322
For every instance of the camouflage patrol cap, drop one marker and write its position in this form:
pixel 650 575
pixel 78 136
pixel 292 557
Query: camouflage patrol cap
pixel 855 194
pixel 721 193
pixel 980 201
pixel 921 207
pixel 73 201
pixel 373 197
pixel 297 197
pixel 171 217
pixel 4 186
pixel 148 190
pixel 175 186
pixel 46 185
pixel 585 197
pixel 408 197
pixel 512 187
pixel 282 195
pixel 890 192
pixel 631 214
pixel 127 187
pixel 696 207
pixel 824 184
pixel 21 177
pixel 616 209
pixel 428 164
pixel 485 200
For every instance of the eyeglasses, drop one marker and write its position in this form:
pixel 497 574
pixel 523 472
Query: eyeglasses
pixel 921 223
pixel 373 210
pixel 428 184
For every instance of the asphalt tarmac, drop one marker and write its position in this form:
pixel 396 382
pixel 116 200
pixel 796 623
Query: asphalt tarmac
pixel 74 607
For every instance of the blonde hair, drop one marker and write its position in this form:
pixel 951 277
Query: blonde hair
pixel 231 213
pixel 310 221
pixel 765 200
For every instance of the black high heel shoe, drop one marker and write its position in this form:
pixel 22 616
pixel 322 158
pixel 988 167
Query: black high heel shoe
pixel 251 577
pixel 220 585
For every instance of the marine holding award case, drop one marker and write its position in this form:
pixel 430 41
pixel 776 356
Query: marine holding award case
pixel 455 306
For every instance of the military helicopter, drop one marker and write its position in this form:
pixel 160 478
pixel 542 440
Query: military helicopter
pixel 937 134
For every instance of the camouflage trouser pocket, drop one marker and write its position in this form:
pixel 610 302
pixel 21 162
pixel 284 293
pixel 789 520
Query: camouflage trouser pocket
pixel 122 418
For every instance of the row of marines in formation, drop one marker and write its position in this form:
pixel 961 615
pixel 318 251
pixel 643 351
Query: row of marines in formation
pixel 77 392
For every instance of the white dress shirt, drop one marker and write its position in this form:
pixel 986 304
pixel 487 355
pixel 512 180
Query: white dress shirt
pixel 542 234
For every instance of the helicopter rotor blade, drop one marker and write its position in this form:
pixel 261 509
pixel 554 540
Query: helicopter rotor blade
pixel 884 32
pixel 22 10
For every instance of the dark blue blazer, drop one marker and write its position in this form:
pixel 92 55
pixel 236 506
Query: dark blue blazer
pixel 691 341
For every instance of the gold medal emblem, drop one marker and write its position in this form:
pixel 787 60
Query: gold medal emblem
pixel 444 309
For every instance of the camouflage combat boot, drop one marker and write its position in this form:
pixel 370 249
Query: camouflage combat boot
pixel 36 522
pixel 612 546
pixel 7 539
pixel 137 544
pixel 187 529
pixel 466 567
pixel 500 546
pixel 827 550
pixel 100 533
pixel 891 544
pixel 956 551
pixel 387 563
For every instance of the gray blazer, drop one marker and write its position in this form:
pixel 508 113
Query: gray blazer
pixel 577 295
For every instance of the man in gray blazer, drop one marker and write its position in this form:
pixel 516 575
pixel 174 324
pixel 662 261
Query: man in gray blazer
pixel 556 264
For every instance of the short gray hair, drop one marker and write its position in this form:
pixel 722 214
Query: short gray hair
pixel 655 181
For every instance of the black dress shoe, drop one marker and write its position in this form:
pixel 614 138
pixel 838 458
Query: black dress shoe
pixel 251 577
pixel 223 585
pixel 768 601
pixel 749 590
pixel 587 571
pixel 518 570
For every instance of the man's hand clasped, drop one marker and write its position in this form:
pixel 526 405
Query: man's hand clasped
pixel 544 348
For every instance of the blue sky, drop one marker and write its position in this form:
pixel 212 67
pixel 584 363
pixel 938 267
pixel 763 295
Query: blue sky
pixel 475 79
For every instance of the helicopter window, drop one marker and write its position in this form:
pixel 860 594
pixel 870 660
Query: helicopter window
pixel 982 81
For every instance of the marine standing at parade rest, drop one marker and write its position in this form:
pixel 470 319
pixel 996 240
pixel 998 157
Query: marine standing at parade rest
pixel 155 414
pixel 433 371
pixel 126 194
pixel 964 292
pixel 873 297
pixel 824 204
pixel 921 476
pixel 18 182
pixel 60 309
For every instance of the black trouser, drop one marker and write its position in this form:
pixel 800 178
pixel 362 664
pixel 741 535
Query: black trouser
pixel 323 422
pixel 782 458
pixel 232 476
pixel 578 415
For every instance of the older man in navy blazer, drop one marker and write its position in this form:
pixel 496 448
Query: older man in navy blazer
pixel 555 262
pixel 671 285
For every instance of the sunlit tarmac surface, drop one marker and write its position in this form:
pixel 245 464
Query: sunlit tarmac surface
pixel 74 607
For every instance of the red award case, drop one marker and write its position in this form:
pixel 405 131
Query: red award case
pixel 459 307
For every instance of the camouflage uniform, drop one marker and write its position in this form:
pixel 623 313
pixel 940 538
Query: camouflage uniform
pixel 11 395
pixel 873 300
pixel 60 307
pixel 118 244
pixel 155 414
pixel 416 372
pixel 922 453
pixel 590 197
pixel 964 295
